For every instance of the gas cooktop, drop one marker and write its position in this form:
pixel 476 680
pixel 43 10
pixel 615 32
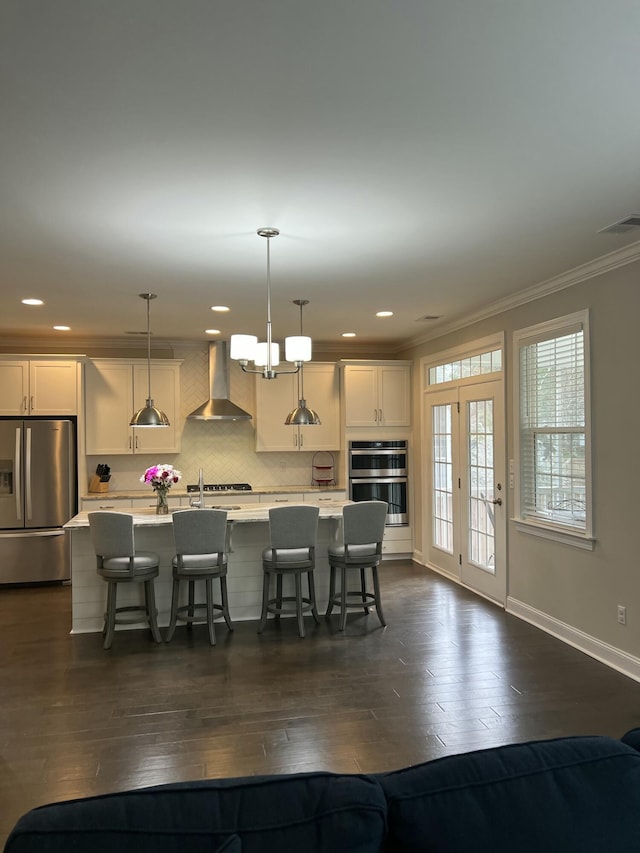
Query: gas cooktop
pixel 220 487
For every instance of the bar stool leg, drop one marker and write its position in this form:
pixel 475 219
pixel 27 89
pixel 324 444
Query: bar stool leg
pixel 174 610
pixel 332 590
pixel 376 588
pixel 265 601
pixel 110 616
pixel 343 598
pixel 152 613
pixel 363 590
pixel 299 614
pixel 210 623
pixel 225 602
pixel 312 597
pixel 191 605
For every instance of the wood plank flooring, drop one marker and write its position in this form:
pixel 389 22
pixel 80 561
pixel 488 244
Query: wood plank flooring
pixel 450 673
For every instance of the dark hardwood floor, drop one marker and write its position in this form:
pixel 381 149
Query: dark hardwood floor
pixel 450 673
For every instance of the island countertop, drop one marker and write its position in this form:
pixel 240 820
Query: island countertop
pixel 147 517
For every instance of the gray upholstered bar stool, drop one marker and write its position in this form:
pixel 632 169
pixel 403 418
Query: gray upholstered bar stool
pixel 293 531
pixel 363 531
pixel 201 555
pixel 119 562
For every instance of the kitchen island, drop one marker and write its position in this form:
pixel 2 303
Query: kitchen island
pixel 248 534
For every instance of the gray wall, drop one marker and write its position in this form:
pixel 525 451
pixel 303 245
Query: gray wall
pixel 579 588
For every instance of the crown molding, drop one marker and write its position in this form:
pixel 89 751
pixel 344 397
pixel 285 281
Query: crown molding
pixel 592 269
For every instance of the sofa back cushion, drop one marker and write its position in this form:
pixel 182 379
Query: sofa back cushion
pixel 575 795
pixel 301 813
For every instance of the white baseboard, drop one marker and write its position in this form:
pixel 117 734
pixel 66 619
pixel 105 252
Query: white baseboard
pixel 606 654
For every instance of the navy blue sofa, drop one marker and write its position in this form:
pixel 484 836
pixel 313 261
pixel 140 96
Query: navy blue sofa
pixel 572 794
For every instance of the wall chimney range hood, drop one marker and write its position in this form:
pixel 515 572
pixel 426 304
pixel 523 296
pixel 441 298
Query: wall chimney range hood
pixel 218 407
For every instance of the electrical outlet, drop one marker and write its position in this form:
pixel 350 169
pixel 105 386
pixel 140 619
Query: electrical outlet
pixel 622 614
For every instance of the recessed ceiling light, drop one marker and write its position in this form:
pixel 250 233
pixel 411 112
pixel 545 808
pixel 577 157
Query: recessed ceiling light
pixel 384 313
pixel 31 301
pixel 62 328
pixel 220 308
pixel 212 331
pixel 348 334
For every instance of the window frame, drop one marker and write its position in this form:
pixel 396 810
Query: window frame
pixel 536 525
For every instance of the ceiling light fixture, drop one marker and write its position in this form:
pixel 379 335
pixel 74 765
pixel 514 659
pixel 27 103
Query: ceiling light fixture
pixel 301 415
pixel 31 301
pixel 148 415
pixel 266 355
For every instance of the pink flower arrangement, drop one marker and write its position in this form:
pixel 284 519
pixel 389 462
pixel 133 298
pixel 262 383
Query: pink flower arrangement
pixel 161 476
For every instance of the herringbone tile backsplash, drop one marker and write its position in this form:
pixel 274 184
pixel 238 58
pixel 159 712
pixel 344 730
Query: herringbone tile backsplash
pixel 225 450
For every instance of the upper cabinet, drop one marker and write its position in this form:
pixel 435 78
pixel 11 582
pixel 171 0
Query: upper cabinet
pixel 116 388
pixel 38 387
pixel 277 397
pixel 377 395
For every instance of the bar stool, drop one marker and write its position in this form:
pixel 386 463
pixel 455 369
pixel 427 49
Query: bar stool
pixel 200 537
pixel 293 531
pixel 363 531
pixel 119 562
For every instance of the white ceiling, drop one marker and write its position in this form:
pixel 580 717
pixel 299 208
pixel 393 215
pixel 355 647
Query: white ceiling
pixel 422 156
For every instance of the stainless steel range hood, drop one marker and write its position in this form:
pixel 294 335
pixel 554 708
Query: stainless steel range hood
pixel 218 407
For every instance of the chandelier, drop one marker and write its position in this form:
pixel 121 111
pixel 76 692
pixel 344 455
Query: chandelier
pixel 265 355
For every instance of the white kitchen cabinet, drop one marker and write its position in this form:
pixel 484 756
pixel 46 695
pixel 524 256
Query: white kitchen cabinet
pixel 324 497
pixel 114 390
pixel 397 542
pixel 282 498
pixel 38 387
pixel 276 398
pixel 377 395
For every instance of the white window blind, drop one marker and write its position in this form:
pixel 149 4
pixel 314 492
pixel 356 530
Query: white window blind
pixel 553 428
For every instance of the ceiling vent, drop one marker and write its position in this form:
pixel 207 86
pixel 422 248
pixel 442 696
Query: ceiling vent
pixel 429 317
pixel 623 226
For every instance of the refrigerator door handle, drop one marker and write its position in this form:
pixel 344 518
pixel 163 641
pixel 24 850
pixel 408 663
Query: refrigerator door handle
pixel 17 468
pixel 27 474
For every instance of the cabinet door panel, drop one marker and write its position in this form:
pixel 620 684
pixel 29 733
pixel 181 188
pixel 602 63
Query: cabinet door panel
pixel 53 388
pixel 322 392
pixel 395 396
pixel 361 395
pixel 14 387
pixel 108 407
pixel 165 391
pixel 274 400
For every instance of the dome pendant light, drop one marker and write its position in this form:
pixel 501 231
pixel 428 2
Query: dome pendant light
pixel 266 355
pixel 148 415
pixel 302 415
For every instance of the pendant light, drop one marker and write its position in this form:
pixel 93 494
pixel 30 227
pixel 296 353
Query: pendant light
pixel 302 415
pixel 266 355
pixel 149 415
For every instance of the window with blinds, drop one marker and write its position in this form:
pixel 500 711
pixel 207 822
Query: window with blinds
pixel 554 453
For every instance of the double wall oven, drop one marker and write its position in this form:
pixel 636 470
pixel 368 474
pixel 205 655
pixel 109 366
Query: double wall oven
pixel 378 471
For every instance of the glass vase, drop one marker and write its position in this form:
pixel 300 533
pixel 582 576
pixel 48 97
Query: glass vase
pixel 162 505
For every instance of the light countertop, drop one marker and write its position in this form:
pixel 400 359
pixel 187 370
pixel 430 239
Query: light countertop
pixel 146 517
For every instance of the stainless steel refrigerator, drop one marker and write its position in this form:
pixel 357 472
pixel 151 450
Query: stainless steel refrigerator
pixel 38 494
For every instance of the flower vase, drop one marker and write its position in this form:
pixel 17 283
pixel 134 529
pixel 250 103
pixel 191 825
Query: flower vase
pixel 162 505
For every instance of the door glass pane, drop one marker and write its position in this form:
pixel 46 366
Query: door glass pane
pixel 481 489
pixel 442 478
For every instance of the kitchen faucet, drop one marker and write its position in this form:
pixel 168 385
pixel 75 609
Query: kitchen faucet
pixel 199 503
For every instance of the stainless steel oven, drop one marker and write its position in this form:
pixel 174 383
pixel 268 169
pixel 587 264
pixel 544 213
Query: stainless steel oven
pixel 378 471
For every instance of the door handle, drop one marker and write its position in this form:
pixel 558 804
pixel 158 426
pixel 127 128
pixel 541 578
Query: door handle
pixel 497 501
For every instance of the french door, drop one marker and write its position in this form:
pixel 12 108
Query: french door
pixel 466 481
